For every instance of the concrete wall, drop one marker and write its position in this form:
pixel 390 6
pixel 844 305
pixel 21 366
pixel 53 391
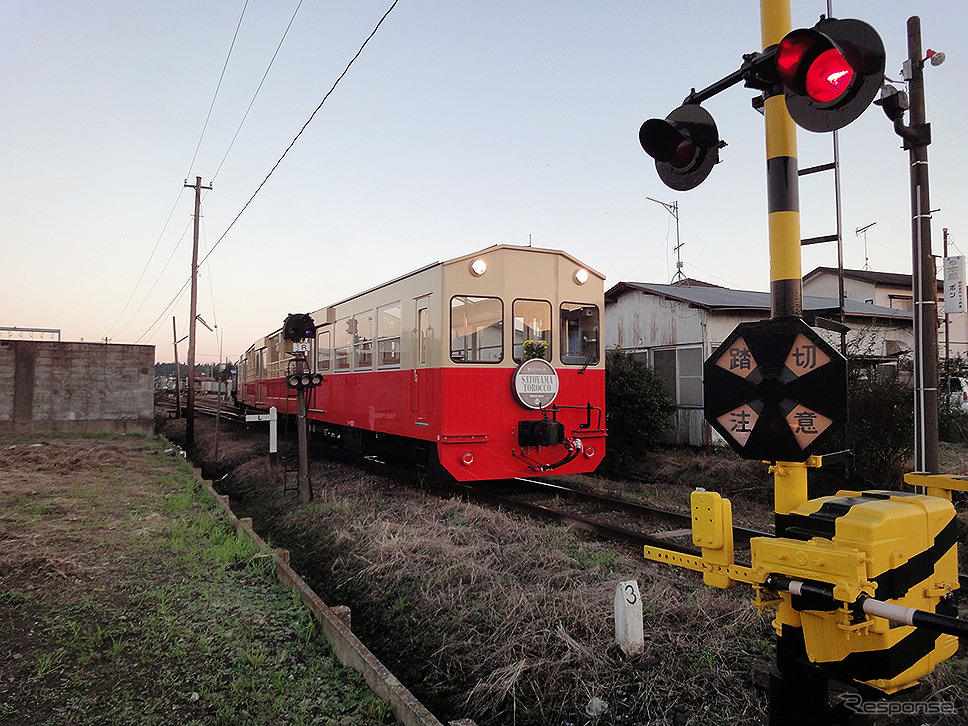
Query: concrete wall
pixel 53 386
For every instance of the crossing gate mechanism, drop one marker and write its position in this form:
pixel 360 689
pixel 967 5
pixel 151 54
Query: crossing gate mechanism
pixel 862 586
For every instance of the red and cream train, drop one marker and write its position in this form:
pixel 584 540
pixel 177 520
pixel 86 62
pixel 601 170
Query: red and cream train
pixel 486 366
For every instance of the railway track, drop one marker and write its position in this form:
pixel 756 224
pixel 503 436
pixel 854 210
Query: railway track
pixel 203 405
pixel 510 495
pixel 602 516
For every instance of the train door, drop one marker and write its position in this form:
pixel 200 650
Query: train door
pixel 422 335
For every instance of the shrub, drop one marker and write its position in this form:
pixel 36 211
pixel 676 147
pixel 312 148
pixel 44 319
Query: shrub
pixel 879 428
pixel 637 410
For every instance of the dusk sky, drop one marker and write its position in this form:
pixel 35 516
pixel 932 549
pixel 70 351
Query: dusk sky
pixel 461 125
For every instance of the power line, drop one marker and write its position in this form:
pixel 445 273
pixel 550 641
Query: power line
pixel 181 191
pixel 217 87
pixel 256 94
pixel 144 270
pixel 181 291
pixel 308 121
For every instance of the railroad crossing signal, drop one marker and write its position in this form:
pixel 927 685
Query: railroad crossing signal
pixel 685 146
pixel 830 72
pixel 298 326
pixel 304 380
pixel 775 390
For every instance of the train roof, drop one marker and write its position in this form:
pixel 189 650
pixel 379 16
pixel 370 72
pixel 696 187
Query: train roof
pixel 470 256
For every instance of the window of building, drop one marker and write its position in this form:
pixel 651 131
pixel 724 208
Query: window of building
pixel 532 322
pixel 388 335
pixel 681 369
pixel 901 302
pixel 476 329
pixel 579 334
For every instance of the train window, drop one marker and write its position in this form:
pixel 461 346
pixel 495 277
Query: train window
pixel 323 352
pixel 532 329
pixel 388 335
pixel 342 344
pixel 362 328
pixel 476 329
pixel 579 334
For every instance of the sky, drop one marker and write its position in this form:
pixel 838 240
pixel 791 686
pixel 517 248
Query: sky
pixel 460 125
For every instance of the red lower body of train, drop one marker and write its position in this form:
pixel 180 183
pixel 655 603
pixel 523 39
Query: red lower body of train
pixel 458 422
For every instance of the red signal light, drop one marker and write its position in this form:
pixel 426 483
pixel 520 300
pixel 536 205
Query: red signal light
pixel 829 77
pixel 831 72
pixel 808 63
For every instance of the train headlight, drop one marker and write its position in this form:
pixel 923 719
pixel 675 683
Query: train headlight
pixel 581 275
pixel 478 267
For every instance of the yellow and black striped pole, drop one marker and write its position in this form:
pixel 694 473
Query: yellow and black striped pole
pixel 781 173
pixel 783 195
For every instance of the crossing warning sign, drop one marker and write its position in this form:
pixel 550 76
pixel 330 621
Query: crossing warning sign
pixel 775 390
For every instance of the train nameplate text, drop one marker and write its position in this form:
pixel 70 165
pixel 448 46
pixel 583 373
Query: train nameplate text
pixel 535 383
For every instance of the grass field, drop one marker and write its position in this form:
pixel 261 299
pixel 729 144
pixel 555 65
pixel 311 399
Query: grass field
pixel 125 598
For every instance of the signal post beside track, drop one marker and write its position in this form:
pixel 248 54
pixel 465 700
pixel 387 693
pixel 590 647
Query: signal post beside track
pixel 861 582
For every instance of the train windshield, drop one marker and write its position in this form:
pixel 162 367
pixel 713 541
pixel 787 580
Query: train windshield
pixel 532 329
pixel 579 334
pixel 476 329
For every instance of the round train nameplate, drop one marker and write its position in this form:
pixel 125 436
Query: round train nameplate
pixel 535 383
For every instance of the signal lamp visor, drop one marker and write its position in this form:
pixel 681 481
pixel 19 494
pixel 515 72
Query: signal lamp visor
pixel 668 142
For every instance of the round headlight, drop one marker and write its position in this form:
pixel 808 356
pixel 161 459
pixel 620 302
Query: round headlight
pixel 478 267
pixel 581 275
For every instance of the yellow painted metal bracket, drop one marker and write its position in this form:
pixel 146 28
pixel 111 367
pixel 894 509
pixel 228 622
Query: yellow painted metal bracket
pixel 937 485
pixel 732 572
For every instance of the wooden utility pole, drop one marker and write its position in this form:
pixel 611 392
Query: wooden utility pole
pixel 174 337
pixel 190 412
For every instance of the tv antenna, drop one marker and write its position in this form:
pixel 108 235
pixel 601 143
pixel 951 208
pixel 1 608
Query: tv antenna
pixel 863 231
pixel 673 209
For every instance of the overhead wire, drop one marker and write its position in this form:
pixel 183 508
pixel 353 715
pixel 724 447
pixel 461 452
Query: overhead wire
pixel 217 88
pixel 151 328
pixel 256 94
pixel 304 126
pixel 180 192
pixel 144 270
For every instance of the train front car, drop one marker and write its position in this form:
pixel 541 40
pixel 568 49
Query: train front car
pixel 487 366
pixel 522 378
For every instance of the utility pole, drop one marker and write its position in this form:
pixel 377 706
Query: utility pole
pixel 917 136
pixel 926 404
pixel 174 337
pixel 190 412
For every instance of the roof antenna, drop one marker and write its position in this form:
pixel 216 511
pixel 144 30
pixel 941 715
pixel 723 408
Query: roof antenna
pixel 673 209
pixel 863 231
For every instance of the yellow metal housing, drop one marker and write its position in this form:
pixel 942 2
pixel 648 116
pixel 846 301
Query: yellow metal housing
pixel 897 547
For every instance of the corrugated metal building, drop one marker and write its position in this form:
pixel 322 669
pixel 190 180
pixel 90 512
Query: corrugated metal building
pixel 674 328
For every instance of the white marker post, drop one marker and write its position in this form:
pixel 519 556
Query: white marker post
pixel 272 417
pixel 628 617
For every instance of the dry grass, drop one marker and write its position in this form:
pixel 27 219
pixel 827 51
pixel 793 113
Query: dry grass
pixel 487 615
